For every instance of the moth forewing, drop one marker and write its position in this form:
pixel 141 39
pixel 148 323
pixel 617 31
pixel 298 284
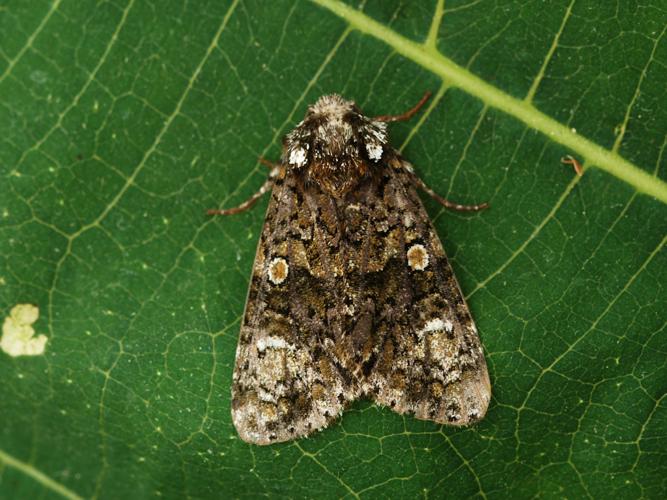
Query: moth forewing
pixel 351 292
pixel 432 364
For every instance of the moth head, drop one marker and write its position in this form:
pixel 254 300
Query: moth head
pixel 335 135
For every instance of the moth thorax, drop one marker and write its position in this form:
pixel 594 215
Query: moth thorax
pixel 338 176
pixel 333 137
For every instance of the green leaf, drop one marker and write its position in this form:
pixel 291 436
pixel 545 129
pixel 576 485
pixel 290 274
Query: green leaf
pixel 121 122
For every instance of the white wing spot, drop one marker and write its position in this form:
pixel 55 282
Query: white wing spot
pixel 417 257
pixel 432 325
pixel 278 270
pixel 273 343
pixel 18 335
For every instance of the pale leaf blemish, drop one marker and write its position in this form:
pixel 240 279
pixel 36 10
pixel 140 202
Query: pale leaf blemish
pixel 18 335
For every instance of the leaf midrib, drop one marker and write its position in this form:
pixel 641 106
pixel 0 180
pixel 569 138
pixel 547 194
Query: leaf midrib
pixel 427 56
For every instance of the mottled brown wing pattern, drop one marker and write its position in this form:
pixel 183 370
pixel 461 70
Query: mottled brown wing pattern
pixel 286 383
pixel 430 360
pixel 351 293
pixel 412 342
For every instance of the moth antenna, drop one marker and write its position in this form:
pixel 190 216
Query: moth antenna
pixel 408 114
pixel 246 204
pixel 446 203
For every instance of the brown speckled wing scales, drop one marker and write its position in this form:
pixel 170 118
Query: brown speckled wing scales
pixel 286 384
pixel 430 360
pixel 353 297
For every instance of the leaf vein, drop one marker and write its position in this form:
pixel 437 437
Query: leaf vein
pixel 37 475
pixel 458 76
pixel 30 41
pixel 597 320
pixel 91 78
pixel 432 37
pixel 626 119
pixel 554 45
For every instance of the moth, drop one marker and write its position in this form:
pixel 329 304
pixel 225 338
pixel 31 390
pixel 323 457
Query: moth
pixel 351 292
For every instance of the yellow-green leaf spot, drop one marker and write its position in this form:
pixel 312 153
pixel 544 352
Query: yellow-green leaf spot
pixel 18 335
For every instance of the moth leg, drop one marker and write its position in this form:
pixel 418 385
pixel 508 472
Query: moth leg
pixel 408 114
pixel 268 163
pixel 246 204
pixel 446 203
pixel 571 160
